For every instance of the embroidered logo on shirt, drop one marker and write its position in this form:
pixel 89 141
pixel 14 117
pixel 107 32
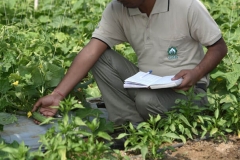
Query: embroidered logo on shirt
pixel 172 53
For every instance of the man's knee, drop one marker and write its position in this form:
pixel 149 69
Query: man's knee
pixel 147 103
pixel 106 59
pixel 103 57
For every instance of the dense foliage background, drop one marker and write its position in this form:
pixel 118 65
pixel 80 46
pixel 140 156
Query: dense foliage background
pixel 38 43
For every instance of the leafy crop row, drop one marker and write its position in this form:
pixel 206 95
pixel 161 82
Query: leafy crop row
pixel 38 45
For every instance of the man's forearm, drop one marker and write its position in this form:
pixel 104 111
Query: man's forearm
pixel 82 63
pixel 212 58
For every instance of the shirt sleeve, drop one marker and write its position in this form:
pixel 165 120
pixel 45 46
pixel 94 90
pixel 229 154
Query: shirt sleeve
pixel 203 28
pixel 109 29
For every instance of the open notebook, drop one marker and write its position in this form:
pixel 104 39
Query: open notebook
pixel 147 80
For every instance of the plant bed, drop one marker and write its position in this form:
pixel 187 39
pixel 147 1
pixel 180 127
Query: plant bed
pixel 208 149
pixel 23 129
pixel 200 150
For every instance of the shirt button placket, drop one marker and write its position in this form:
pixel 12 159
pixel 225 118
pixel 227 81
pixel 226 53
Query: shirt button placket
pixel 148 32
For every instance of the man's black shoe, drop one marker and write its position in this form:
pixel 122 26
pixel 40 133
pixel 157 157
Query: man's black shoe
pixel 118 144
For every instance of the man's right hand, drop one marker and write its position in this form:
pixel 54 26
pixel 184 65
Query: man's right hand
pixel 45 103
pixel 82 63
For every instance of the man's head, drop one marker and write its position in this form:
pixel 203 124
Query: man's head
pixel 132 3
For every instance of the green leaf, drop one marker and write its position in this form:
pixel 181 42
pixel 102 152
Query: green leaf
pixel 203 133
pixel 181 92
pixel 144 151
pixel 236 67
pixel 194 124
pixel 10 3
pixel 93 91
pixel 78 121
pixel 221 122
pixel 207 118
pixel 60 36
pixel 200 119
pixel 218 73
pixel 181 128
pixel 232 78
pixel 87 112
pixel 77 5
pixel 84 84
pixel 229 130
pixel 157 118
pixel 104 135
pixel 143 125
pixel 55 74
pixel 14 77
pixel 44 19
pixel 131 127
pixel 85 133
pixel 20 95
pixel 171 135
pixel 1 127
pixel 122 135
pixel 30 91
pixel 213 131
pixel 105 125
pixel 184 119
pixel 47 121
pixel 183 139
pixel 61 21
pixel 188 133
pixel 203 128
pixel 3 103
pixel 229 98
pixel 7 118
pixel 4 86
pixel 216 113
pixel 194 130
pixel 172 127
pixel 37 77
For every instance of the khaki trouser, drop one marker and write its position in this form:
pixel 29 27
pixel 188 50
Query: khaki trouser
pixel 130 105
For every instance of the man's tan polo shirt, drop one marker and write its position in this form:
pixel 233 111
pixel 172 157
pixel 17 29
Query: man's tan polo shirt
pixel 167 41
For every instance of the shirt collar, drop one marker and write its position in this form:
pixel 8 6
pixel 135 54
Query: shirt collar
pixel 159 7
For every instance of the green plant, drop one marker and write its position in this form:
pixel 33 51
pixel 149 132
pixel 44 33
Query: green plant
pixel 6 118
pixel 17 151
pixel 224 87
pixel 74 137
pixel 215 122
pixel 185 118
pixel 38 45
pixel 232 114
pixel 147 137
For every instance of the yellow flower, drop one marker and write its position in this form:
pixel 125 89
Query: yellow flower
pixel 29 114
pixel 15 83
pixel 219 79
pixel 40 66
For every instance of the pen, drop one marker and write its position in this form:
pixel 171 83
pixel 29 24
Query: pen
pixel 149 72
